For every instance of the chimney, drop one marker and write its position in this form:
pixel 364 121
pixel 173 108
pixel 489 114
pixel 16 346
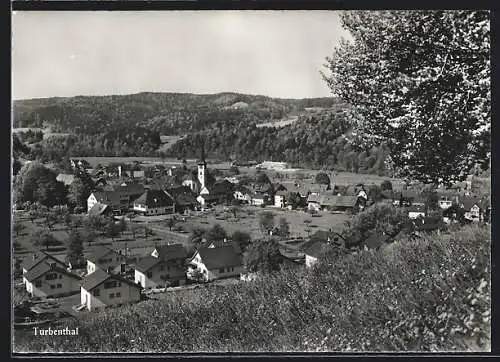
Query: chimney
pixel 119 171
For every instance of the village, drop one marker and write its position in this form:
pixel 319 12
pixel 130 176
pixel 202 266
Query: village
pixel 155 243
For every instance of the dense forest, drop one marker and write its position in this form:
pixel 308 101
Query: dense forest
pixel 166 113
pixel 131 125
pixel 315 140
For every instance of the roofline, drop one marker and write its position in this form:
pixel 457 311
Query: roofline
pixel 60 270
pixel 113 275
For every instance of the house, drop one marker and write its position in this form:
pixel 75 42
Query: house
pixel 154 202
pixel 313 251
pixel 219 192
pixel 119 197
pixel 184 197
pixel 80 163
pixel 38 258
pixel 66 178
pixel 445 202
pixel 259 199
pixel 415 211
pixel 472 208
pixel 104 258
pixel 216 263
pixel 338 203
pixel 101 289
pixel 51 279
pixel 279 198
pixel 243 194
pixel 109 198
pixel 100 209
pixel 165 265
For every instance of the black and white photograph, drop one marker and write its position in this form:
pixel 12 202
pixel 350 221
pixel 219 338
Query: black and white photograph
pixel 272 181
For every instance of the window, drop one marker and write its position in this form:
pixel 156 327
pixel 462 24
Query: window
pixel 111 295
pixel 38 283
pixel 221 270
pixel 60 276
pixel 59 286
pixel 52 286
pixel 97 293
pixel 51 276
pixel 118 295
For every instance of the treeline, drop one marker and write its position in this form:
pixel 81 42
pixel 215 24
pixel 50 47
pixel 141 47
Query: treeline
pixel 123 142
pixel 315 140
pixel 167 113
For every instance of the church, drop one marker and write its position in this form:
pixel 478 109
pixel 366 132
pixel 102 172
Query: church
pixel 209 190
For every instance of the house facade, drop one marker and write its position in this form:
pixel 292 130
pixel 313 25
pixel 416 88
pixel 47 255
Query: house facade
pixel 49 279
pixel 279 199
pixel 101 289
pixel 216 263
pixel 103 258
pixel 165 266
pixel 154 202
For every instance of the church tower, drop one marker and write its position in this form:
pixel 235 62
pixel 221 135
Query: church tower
pixel 202 168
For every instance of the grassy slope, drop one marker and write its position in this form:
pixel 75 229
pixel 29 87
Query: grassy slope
pixel 425 295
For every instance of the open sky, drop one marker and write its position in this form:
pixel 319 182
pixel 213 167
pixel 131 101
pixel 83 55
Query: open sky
pixel 273 53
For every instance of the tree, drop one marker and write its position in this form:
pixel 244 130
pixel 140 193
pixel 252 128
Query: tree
pixel 263 255
pixel 80 189
pixel 266 221
pixel 88 235
pixel 418 81
pixel 262 178
pixel 43 239
pixel 50 219
pixel 112 229
pixel 35 182
pixel 75 248
pixel 386 185
pixel 322 178
pixel 122 226
pixel 197 235
pixel 216 233
pixel 95 222
pixel 283 227
pixel 171 223
pixel 134 228
pixel 242 238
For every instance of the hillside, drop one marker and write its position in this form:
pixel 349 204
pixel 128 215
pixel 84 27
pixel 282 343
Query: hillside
pixel 165 113
pixel 428 294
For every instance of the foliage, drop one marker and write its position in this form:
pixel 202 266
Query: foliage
pixel 266 221
pixel 216 233
pixel 322 178
pixel 242 238
pixel 263 255
pixel 80 189
pixel 420 81
pixel 37 183
pixel 283 227
pixel 380 217
pixel 75 248
pixel 426 295
pixel 386 185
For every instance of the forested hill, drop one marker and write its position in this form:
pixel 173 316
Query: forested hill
pixel 165 113
pixel 315 140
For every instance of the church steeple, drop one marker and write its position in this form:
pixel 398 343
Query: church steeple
pixel 202 167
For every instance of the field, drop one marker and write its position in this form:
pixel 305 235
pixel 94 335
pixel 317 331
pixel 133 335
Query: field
pixel 46 132
pixel 247 219
pixel 278 124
